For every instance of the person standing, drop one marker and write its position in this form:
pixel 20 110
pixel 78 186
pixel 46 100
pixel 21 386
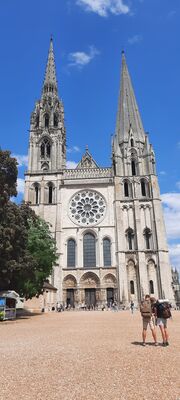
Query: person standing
pixel 147 319
pixel 162 313
pixel 132 307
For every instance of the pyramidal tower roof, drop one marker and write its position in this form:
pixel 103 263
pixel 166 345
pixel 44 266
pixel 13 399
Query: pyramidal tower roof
pixel 128 116
pixel 50 80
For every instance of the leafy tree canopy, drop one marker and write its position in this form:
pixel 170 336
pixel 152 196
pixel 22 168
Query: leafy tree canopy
pixel 27 249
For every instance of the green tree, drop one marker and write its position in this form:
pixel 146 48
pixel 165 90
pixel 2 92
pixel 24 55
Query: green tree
pixel 27 249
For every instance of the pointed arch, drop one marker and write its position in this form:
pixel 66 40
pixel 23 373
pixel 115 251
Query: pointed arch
pixel 147 238
pixel 130 238
pixel 71 253
pixel 45 148
pixel 89 250
pixel 107 252
pixel 144 188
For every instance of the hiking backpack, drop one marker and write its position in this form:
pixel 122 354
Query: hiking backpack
pixel 145 309
pixel 165 311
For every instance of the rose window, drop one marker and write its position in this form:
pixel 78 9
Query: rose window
pixel 87 207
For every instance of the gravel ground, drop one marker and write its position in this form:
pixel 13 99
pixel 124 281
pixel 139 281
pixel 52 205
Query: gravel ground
pixel 86 356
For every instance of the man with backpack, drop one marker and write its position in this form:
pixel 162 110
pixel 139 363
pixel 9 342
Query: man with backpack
pixel 162 313
pixel 148 319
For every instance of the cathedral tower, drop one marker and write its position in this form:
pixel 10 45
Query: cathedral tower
pixel 47 149
pixel 142 252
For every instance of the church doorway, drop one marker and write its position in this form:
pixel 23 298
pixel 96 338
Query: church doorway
pixel 70 298
pixel 110 296
pixel 90 297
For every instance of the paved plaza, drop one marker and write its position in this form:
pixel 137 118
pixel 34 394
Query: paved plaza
pixel 85 356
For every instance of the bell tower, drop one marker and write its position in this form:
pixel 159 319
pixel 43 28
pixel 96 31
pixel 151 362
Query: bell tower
pixel 47 143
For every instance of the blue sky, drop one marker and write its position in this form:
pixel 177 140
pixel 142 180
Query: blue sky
pixel 89 36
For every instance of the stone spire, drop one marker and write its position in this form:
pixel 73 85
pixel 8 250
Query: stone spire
pixel 50 81
pixel 128 116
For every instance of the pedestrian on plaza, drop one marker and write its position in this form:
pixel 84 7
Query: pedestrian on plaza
pixel 147 319
pixel 132 307
pixel 162 313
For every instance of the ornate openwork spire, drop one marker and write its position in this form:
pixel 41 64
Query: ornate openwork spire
pixel 50 81
pixel 128 116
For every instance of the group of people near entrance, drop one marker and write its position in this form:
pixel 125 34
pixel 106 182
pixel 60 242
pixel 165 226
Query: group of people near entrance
pixel 155 313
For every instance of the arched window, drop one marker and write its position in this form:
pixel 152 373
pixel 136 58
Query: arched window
pixel 132 143
pixel 36 194
pixel 55 120
pixel 132 287
pixel 89 250
pixel 71 253
pixel 130 239
pixel 45 148
pixel 50 194
pixel 143 188
pixel 46 121
pixel 107 252
pixel 126 189
pixel 147 237
pixel 133 167
pixel 151 287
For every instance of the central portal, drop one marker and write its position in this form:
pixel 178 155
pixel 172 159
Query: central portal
pixel 90 297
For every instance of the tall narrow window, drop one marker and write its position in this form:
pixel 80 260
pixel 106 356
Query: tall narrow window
pixel 132 143
pixel 37 121
pixel 46 121
pixel 71 253
pixel 147 237
pixel 45 148
pixel 89 247
pixel 151 287
pixel 50 194
pixel 36 195
pixel 48 149
pixel 55 120
pixel 133 167
pixel 143 188
pixel 130 239
pixel 107 252
pixel 132 287
pixel 42 150
pixel 126 189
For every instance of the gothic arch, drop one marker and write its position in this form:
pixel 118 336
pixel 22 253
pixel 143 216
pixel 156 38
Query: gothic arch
pixel 132 280
pixel 49 194
pixel 152 277
pixel 69 282
pixel 89 280
pixel 109 280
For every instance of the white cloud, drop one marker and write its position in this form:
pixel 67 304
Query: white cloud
pixel 20 185
pixel 135 39
pixel 104 7
pixel 21 159
pixel 74 149
pixel 162 173
pixel 171 203
pixel 80 58
pixel 178 184
pixel 71 164
pixel 174 252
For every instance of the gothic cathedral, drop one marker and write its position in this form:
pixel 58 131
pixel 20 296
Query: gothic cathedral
pixel 107 222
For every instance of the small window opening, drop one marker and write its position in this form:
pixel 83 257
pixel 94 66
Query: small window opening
pixel 132 287
pixel 126 189
pixel 50 194
pixel 133 167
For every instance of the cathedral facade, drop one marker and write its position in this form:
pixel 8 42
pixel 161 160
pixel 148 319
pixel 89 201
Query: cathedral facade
pixel 107 222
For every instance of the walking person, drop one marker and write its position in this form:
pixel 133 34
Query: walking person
pixel 147 319
pixel 132 307
pixel 162 313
